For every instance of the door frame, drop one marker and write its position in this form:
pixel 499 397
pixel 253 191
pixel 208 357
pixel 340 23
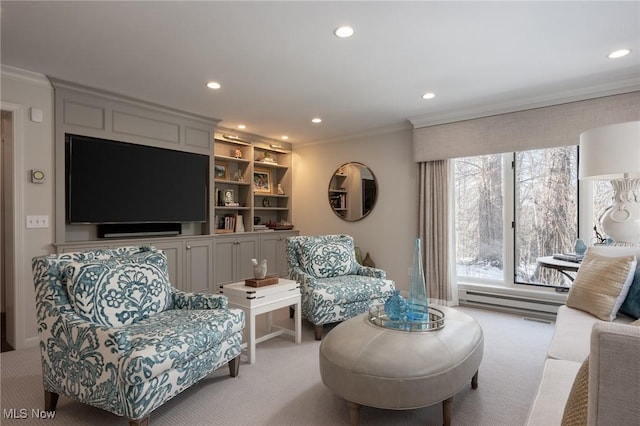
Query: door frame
pixel 14 267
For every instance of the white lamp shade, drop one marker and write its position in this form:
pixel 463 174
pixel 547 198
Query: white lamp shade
pixel 610 152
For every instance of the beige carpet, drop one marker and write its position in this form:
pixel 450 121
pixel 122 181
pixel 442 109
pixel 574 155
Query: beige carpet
pixel 284 388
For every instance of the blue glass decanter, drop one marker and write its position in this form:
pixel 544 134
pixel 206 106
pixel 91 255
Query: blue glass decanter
pixel 418 305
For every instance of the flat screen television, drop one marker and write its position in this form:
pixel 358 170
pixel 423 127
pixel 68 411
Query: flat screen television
pixel 117 182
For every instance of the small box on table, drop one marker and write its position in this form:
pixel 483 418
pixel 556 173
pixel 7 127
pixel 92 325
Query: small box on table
pixel 255 282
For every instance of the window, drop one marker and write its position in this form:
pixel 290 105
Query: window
pixel 511 209
pixel 479 217
pixel 545 212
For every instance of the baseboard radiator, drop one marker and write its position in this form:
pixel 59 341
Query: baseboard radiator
pixel 527 306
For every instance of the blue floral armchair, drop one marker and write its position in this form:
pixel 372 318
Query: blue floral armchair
pixel 115 334
pixel 334 286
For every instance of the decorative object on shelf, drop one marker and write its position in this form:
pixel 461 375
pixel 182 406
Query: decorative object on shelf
pixel 280 226
pixel 262 180
pixel 613 153
pixel 221 170
pixel 580 247
pixel 418 306
pixel 238 153
pixel 256 220
pixel 259 269
pixel 396 307
pixel 266 202
pixel 269 159
pixel 237 176
pixel 280 189
pixel 227 196
pixel 239 223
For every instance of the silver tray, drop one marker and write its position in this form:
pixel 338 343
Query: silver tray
pixel 378 317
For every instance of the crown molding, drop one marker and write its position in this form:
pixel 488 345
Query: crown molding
pixel 106 94
pixel 24 76
pixel 592 92
pixel 391 128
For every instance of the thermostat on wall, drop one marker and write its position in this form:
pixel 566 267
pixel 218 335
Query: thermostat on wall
pixel 37 176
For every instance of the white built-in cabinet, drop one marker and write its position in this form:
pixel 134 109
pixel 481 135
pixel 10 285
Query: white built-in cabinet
pixel 253 172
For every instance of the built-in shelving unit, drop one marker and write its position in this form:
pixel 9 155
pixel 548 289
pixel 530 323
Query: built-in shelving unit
pixel 252 183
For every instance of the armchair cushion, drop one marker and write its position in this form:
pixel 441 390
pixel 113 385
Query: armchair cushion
pixel 172 340
pixel 349 289
pixel 114 293
pixel 324 259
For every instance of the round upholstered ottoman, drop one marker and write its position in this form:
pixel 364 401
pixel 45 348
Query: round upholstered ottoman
pixel 385 368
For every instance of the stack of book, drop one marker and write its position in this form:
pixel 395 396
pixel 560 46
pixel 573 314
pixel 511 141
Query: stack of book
pixel 569 257
pixel 226 224
pixel 260 228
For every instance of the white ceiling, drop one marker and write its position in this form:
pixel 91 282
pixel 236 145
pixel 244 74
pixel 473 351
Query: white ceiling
pixel 280 65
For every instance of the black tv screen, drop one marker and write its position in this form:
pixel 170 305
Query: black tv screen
pixel 118 182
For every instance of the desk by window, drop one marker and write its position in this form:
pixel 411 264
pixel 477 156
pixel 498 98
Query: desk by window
pixel 560 265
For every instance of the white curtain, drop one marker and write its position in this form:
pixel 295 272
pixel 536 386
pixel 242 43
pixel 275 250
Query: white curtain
pixel 434 229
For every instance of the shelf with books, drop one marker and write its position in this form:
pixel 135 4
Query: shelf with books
pixel 258 172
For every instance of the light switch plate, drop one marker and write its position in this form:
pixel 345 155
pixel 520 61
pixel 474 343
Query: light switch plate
pixel 37 221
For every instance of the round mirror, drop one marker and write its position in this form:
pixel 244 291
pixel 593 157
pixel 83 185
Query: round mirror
pixel 353 191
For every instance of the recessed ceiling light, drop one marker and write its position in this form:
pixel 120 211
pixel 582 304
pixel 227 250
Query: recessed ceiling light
pixel 343 32
pixel 316 120
pixel 241 126
pixel 429 95
pixel 284 137
pixel 213 85
pixel 619 53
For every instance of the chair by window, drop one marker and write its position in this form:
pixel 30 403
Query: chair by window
pixel 334 286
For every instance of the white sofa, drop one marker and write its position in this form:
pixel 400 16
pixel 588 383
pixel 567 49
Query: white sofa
pixel 614 367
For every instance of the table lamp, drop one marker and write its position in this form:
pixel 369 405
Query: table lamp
pixel 613 153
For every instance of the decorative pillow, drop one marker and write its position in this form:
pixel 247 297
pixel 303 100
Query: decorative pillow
pixel 601 285
pixel 114 292
pixel 328 258
pixel 631 305
pixel 576 408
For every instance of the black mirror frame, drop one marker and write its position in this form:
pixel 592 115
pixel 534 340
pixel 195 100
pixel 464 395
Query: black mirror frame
pixel 334 193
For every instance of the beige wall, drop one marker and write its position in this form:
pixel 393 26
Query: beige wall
pixel 33 149
pixel 387 233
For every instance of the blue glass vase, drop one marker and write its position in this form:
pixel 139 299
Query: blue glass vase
pixel 417 304
pixel 396 307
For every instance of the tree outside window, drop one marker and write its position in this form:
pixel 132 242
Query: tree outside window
pixel 545 212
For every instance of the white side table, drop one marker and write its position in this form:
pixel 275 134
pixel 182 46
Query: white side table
pixel 259 300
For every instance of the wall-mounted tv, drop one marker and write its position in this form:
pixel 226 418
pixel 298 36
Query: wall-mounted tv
pixel 117 182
